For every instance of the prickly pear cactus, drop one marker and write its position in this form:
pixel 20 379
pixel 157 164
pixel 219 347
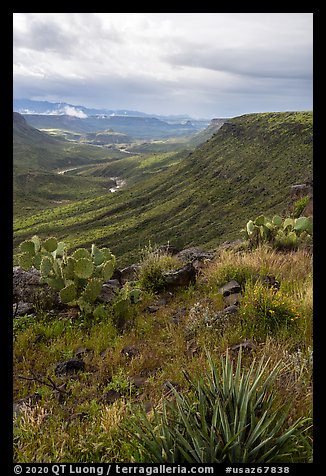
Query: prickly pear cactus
pixel 78 278
pixel 283 234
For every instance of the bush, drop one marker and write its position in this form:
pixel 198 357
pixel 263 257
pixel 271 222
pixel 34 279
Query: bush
pixel 153 265
pixel 267 310
pixel 232 416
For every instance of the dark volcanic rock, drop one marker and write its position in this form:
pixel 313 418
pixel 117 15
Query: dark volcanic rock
pixel 189 255
pixel 232 287
pixel 130 273
pixel 111 396
pixel 180 278
pixel 69 367
pixel 20 308
pixel 27 287
pixel 108 293
pixel 130 351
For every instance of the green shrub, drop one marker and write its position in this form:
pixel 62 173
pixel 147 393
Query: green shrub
pixel 153 265
pixel 266 310
pixel 299 205
pixel 232 416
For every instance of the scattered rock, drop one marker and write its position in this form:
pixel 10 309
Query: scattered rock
pixel 148 406
pixel 77 416
pixel 180 278
pixel 177 317
pixel 30 400
pixel 83 351
pixel 152 309
pixel 167 387
pixel 114 283
pixel 130 351
pixel 21 308
pixel 232 309
pixel 69 367
pixel 232 299
pixel 192 348
pixel 246 344
pixel 108 293
pixel 137 381
pixel 27 286
pixel 231 287
pixel 190 255
pixel 167 249
pixel 268 280
pixel 111 396
pixel 130 273
pixel 230 245
pixel 105 352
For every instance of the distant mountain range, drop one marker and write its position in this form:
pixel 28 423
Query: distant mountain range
pixel 79 119
pixel 29 106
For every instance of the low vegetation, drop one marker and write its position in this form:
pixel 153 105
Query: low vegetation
pixel 147 367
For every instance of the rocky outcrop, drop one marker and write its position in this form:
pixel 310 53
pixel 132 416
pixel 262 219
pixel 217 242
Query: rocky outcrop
pixel 28 291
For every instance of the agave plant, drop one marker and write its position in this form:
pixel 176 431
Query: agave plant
pixel 232 416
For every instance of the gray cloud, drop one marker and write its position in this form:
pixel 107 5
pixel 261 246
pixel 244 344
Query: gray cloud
pixel 201 64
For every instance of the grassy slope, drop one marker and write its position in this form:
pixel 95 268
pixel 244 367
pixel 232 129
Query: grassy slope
pixel 246 168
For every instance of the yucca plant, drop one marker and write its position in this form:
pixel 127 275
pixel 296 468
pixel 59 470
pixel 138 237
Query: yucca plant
pixel 231 416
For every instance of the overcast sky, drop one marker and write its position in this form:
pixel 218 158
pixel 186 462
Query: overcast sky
pixel 200 64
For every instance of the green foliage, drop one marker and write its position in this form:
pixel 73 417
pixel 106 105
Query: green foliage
pixel 233 416
pixel 299 205
pixel 266 311
pixel 153 265
pixel 281 234
pixel 78 278
pixel 125 297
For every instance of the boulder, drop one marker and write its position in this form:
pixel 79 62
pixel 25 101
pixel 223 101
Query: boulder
pixel 108 293
pixel 27 288
pixel 111 396
pixel 69 367
pixel 168 249
pixel 190 255
pixel 130 273
pixel 21 308
pixel 232 287
pixel 180 278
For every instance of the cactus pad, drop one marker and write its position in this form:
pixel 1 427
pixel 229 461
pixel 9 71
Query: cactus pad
pixel 27 246
pixel 46 267
pixel 81 253
pixel 92 290
pixel 50 244
pixel 68 293
pixel 83 268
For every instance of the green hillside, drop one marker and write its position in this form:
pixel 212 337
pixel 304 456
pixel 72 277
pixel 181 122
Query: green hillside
pixel 203 198
pixel 34 149
pixel 37 157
